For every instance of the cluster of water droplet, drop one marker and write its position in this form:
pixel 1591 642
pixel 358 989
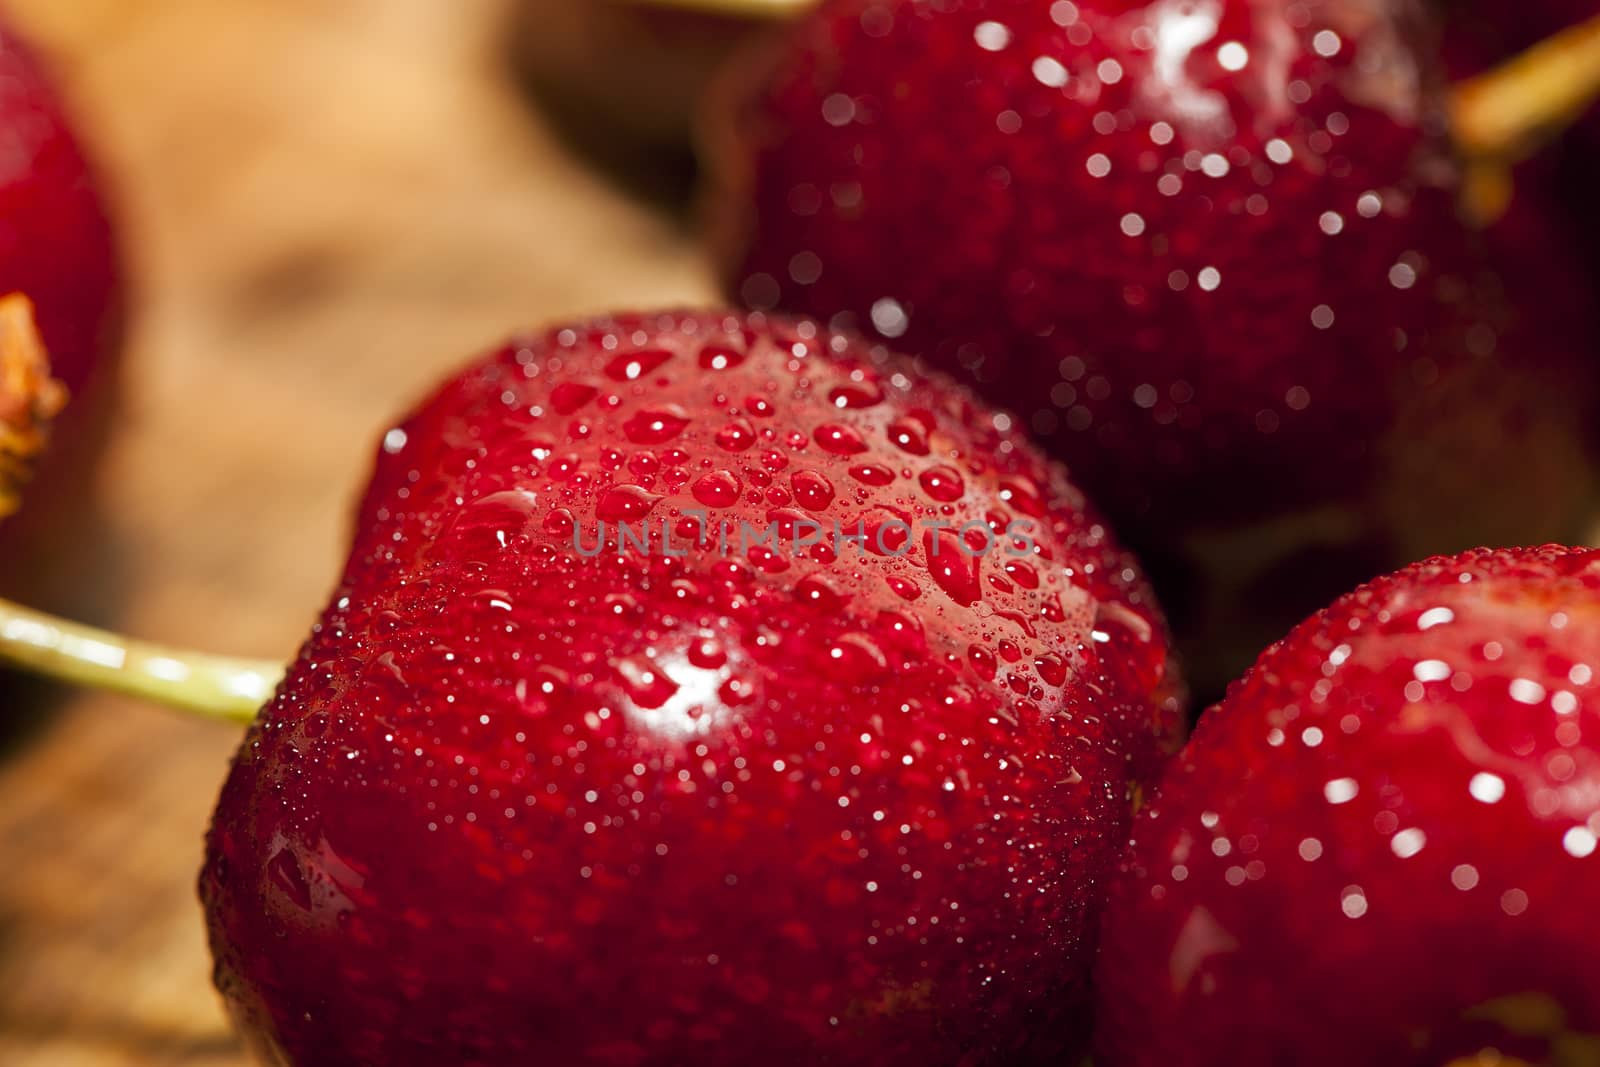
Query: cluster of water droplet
pixel 1210 254
pixel 1395 806
pixel 845 794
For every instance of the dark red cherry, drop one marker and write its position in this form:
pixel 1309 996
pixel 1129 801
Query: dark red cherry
pixel 1381 847
pixel 798 777
pixel 1207 250
pixel 56 249
pixel 55 243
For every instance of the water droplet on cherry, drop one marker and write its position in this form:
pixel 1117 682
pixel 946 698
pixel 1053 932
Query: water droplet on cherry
pixel 719 489
pixel 653 425
pixel 812 490
pixel 838 439
pixel 624 503
pixel 942 483
pixel 632 366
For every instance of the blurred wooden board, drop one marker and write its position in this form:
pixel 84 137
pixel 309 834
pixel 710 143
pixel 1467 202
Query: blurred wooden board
pixel 326 205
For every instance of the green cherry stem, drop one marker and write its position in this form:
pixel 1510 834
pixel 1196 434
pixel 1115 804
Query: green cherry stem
pixel 214 687
pixel 1497 117
pixel 211 686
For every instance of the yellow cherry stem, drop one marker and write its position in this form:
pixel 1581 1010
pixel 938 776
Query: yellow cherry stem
pixel 1504 113
pixel 214 687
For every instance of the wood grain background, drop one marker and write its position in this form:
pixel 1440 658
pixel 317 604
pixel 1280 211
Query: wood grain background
pixel 326 205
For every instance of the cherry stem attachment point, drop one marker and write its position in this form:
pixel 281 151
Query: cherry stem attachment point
pixel 214 687
pixel 29 398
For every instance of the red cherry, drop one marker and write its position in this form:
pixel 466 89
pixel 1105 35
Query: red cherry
pixel 524 800
pixel 1380 848
pixel 1209 252
pixel 56 249
pixel 55 242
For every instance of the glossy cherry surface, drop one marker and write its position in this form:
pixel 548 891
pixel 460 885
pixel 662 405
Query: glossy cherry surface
pixel 55 242
pixel 57 248
pixel 1208 250
pixel 1381 847
pixel 516 803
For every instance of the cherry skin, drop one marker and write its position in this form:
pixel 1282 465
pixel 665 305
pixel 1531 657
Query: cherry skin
pixel 524 799
pixel 57 248
pixel 1381 847
pixel 55 242
pixel 1209 252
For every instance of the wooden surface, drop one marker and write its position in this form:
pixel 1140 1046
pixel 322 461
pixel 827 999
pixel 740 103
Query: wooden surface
pixel 326 204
